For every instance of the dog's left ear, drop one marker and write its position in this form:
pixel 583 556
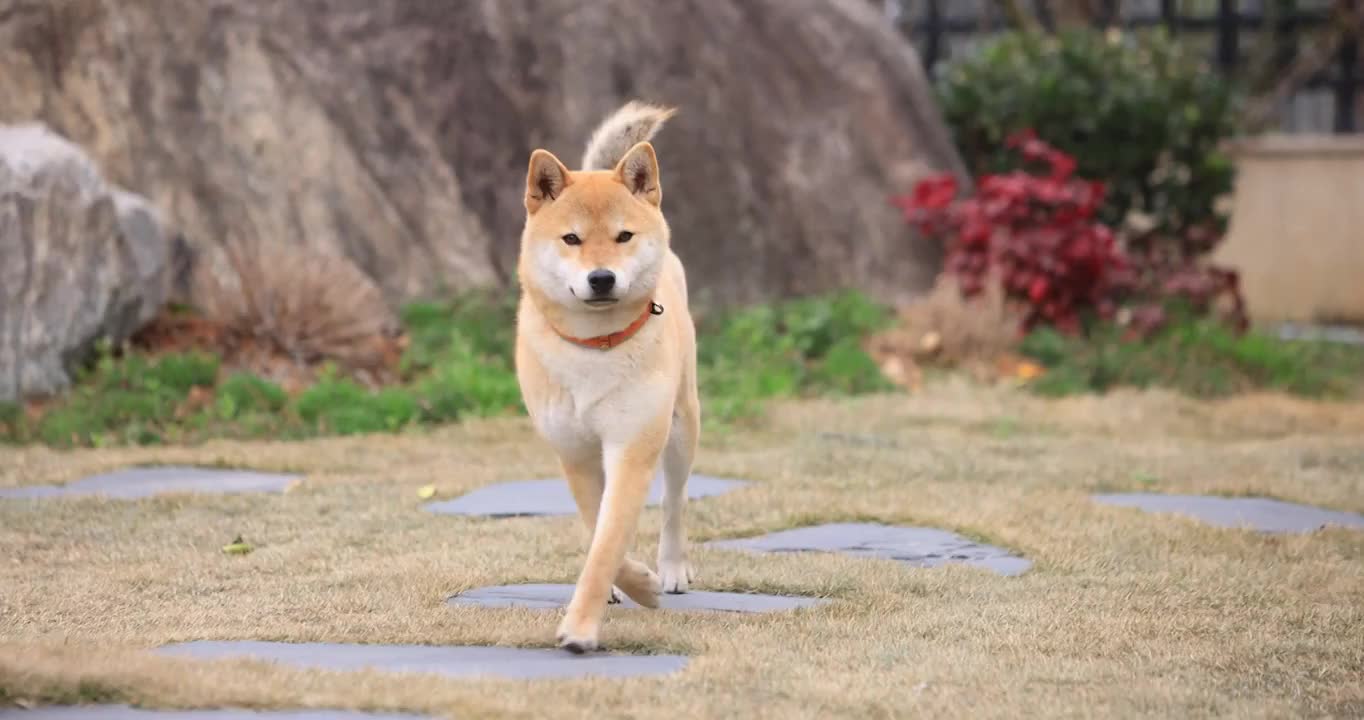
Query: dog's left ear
pixel 638 170
pixel 545 180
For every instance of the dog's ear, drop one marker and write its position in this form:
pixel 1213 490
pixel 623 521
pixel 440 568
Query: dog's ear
pixel 638 170
pixel 545 180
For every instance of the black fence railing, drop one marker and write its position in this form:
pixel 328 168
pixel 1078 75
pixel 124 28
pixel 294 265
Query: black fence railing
pixel 1238 35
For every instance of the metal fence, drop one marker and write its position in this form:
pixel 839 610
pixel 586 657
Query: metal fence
pixel 1241 38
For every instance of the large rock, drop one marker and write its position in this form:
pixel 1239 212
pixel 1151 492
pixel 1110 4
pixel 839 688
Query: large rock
pixel 82 261
pixel 397 131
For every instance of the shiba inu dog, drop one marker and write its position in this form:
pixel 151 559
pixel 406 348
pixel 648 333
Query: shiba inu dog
pixel 606 357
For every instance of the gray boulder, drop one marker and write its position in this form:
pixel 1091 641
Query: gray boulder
pixel 81 261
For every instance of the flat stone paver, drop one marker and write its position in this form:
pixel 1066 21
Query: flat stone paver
pixel 921 547
pixel 1322 333
pixel 1262 514
pixel 546 596
pixel 451 661
pixel 141 482
pixel 124 712
pixel 552 497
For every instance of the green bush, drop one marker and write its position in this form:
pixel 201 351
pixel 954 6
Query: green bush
pixel 849 370
pixel 1142 114
pixel 244 393
pixel 802 346
pixel 126 399
pixel 181 372
pixel 484 323
pixel 341 406
pixel 11 413
pixel 462 384
pixel 460 355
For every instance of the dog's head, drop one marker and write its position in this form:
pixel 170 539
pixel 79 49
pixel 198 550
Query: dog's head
pixel 594 239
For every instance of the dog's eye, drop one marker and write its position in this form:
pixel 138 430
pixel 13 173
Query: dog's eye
pixel 624 236
pixel 572 239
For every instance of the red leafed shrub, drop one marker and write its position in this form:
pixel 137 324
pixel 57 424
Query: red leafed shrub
pixel 1202 289
pixel 1038 226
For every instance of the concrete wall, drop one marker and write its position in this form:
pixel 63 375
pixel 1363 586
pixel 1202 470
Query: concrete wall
pixel 1297 228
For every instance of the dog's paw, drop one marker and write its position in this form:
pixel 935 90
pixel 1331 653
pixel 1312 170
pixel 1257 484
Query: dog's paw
pixel 640 583
pixel 676 576
pixel 578 645
pixel 577 636
pixel 615 598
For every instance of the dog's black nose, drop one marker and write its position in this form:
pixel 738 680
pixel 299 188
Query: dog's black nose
pixel 601 281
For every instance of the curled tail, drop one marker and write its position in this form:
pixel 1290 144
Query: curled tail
pixel 635 122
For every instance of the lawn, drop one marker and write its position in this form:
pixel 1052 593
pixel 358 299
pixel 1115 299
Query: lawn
pixel 1123 614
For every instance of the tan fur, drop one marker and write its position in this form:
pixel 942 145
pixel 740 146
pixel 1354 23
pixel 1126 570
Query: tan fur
pixel 635 122
pixel 612 416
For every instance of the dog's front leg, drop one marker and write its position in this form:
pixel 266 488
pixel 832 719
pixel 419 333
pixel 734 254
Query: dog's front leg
pixel 587 481
pixel 629 470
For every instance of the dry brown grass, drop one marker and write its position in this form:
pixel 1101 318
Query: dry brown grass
pixel 1124 614
pixel 946 329
pixel 287 302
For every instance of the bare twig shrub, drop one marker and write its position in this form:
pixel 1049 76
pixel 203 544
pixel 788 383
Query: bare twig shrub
pixel 946 329
pixel 283 302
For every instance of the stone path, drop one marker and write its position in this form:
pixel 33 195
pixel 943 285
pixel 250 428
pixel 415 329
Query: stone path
pixel 540 596
pixel 451 661
pixel 921 547
pixel 552 497
pixel 141 482
pixel 1262 514
pixel 124 712
pixel 1321 333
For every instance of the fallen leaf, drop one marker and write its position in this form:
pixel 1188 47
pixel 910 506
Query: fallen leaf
pixel 931 342
pixel 238 547
pixel 427 492
pixel 1028 371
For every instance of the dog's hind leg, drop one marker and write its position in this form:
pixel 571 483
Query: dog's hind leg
pixel 678 456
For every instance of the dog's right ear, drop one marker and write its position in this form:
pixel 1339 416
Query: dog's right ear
pixel 546 179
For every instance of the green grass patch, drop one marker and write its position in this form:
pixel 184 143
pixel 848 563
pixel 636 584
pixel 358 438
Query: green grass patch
pixel 125 400
pixel 243 393
pixel 340 406
pixel 800 347
pixel 474 326
pixel 458 364
pixel 1198 357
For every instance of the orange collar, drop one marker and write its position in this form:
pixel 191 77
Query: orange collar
pixel 606 342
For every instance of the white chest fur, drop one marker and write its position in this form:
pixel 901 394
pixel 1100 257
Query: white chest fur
pixel 599 396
